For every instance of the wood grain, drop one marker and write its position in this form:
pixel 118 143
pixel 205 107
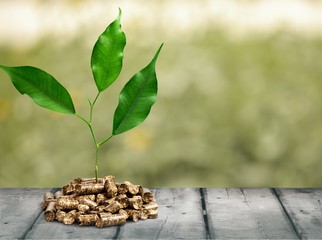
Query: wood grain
pixel 186 213
pixel 304 209
pixel 247 214
pixel 180 217
pixel 19 209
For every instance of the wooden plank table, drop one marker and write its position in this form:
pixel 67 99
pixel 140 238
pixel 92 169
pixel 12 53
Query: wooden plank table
pixel 184 213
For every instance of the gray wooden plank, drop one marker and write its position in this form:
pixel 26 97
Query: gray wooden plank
pixel 19 208
pixel 180 217
pixel 56 230
pixel 247 214
pixel 304 209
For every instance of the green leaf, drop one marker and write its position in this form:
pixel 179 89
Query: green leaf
pixel 107 55
pixel 43 88
pixel 136 98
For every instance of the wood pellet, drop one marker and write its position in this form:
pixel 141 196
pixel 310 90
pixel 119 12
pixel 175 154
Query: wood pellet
pixel 100 203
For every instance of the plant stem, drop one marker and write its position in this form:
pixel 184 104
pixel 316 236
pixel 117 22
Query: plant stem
pixel 89 124
pixel 96 162
pixel 104 141
pixel 92 107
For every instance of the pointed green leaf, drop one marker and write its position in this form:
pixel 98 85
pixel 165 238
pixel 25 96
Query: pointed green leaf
pixel 107 55
pixel 43 88
pixel 136 98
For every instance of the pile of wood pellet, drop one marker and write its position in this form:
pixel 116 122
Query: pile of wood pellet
pixel 101 202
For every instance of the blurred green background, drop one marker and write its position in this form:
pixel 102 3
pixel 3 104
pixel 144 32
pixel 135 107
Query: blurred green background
pixel 239 101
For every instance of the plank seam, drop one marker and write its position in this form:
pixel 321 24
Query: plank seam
pixel 118 230
pixel 36 218
pixel 202 192
pixel 245 198
pixel 298 234
pixel 161 228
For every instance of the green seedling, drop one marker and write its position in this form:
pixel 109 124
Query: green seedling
pixel 135 99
